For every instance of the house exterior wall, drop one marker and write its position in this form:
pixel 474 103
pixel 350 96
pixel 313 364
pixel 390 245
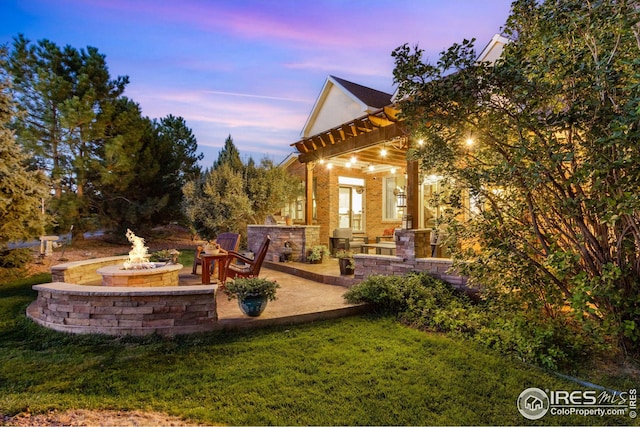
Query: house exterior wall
pixel 327 199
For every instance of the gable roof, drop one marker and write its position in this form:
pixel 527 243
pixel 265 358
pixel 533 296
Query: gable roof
pixel 353 100
pixel 493 50
pixel 369 97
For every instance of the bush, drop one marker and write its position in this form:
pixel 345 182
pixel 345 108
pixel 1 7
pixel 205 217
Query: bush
pixel 418 300
pixel 15 258
pixel 13 261
pixel 499 322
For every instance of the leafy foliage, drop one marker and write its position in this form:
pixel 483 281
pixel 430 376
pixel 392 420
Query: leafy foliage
pixel 231 195
pixel 424 302
pixel 552 227
pixel 250 286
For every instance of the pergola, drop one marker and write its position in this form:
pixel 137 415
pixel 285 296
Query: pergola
pixel 365 137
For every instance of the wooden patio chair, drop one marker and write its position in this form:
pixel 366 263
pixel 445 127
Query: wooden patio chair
pixel 227 241
pixel 249 267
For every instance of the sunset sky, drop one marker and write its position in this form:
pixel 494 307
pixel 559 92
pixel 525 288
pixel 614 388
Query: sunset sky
pixel 247 68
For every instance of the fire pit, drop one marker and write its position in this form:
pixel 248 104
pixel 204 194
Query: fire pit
pixel 159 275
pixel 137 270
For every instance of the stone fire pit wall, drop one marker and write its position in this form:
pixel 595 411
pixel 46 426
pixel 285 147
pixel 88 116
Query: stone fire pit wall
pixel 302 237
pixel 86 309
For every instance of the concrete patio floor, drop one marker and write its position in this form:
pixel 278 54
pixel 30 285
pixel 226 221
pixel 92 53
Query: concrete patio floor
pixel 308 292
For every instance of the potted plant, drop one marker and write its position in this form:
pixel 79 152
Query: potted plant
pixel 346 262
pixel 211 248
pixel 252 293
pixel 316 253
pixel 167 255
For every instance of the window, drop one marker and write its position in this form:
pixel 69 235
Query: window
pixel 390 209
pixel 351 203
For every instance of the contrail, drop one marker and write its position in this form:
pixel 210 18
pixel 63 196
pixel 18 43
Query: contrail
pixel 248 95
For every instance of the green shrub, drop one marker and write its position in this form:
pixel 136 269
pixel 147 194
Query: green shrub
pixel 15 258
pixel 499 322
pixel 13 262
pixel 417 299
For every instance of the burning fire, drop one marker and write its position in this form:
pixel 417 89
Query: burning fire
pixel 139 255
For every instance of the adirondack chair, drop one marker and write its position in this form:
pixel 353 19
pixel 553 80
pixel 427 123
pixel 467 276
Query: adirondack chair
pixel 227 241
pixel 249 267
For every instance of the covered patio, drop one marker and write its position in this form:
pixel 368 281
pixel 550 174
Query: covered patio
pixel 373 149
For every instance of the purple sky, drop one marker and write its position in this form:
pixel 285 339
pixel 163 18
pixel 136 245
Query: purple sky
pixel 247 68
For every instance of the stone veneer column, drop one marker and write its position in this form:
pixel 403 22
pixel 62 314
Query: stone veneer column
pixel 301 237
pixel 405 244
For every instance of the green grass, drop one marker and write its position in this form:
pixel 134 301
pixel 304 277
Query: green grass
pixel 353 371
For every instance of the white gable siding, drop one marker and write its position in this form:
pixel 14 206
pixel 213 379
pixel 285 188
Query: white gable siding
pixel 334 109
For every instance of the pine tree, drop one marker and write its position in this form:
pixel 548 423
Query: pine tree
pixel 229 155
pixel 21 190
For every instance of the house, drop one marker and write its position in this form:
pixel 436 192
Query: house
pixel 352 158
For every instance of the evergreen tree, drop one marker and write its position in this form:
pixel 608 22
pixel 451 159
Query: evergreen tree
pixel 61 95
pixel 229 155
pixel 217 203
pixel 21 190
pixel 176 153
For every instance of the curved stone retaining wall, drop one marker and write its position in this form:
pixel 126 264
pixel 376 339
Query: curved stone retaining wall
pixel 84 272
pixel 82 309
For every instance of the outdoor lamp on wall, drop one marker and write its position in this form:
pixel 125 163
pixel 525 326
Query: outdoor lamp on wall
pixel 401 198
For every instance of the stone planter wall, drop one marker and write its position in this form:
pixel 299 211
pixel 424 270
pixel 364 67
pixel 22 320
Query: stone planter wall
pixel 367 265
pixel 412 246
pixel 301 237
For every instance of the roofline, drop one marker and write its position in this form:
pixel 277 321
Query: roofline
pixel 323 95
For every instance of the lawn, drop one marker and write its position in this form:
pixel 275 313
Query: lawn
pixel 354 371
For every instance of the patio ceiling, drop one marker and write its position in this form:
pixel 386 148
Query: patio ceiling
pixel 365 138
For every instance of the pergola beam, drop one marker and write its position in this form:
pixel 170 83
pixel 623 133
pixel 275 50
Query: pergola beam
pixel 355 143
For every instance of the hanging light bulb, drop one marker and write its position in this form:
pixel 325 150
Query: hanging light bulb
pixel 421 142
pixel 383 152
pixel 353 160
pixel 370 168
pixel 393 171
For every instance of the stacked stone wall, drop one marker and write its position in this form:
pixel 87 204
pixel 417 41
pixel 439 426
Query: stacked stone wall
pixel 301 238
pixel 83 272
pixel 125 311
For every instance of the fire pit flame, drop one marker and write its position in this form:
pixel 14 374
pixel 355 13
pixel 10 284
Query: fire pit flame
pixel 139 255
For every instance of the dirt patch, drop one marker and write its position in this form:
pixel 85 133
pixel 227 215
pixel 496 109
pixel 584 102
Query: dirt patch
pixel 82 417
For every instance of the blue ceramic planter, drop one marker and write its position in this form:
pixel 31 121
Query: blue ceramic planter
pixel 253 305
